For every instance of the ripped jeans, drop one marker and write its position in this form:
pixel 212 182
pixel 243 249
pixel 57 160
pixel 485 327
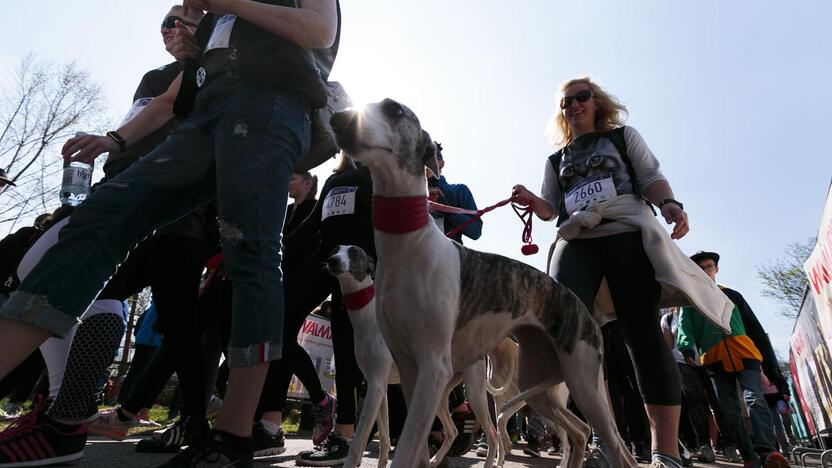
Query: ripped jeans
pixel 239 146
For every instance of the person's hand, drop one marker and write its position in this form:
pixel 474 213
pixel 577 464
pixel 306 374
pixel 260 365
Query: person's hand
pixel 522 195
pixel 435 193
pixel 184 45
pixel 85 148
pixel 674 214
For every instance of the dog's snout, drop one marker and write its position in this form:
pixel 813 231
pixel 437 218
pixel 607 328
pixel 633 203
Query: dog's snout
pixel 342 121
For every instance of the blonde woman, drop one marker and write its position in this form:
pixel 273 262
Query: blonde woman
pixel 599 159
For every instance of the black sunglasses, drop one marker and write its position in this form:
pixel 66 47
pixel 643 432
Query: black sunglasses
pixel 170 22
pixel 581 96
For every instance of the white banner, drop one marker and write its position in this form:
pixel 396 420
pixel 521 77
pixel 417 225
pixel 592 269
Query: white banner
pixel 316 338
pixel 819 269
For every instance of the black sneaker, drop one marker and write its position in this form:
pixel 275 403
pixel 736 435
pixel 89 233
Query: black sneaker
pixel 332 451
pixel 434 443
pixel 174 437
pixel 464 423
pixel 266 444
pixel 482 446
pixel 214 449
pixel 532 448
pixel 41 441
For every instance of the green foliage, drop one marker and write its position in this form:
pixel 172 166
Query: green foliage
pixel 784 279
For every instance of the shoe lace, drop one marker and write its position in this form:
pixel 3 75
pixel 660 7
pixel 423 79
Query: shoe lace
pixel 27 421
pixel 320 412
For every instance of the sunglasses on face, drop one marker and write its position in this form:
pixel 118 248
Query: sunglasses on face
pixel 170 22
pixel 581 96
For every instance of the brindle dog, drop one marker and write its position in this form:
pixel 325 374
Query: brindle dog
pixel 441 306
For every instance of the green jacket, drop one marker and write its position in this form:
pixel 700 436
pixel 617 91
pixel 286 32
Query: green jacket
pixel 698 333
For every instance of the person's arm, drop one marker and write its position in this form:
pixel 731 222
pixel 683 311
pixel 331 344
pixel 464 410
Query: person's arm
pixel 312 25
pixel 686 340
pixel 654 186
pixel 466 200
pixel 155 115
pixel 544 207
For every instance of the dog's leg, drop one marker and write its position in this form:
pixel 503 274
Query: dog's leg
pixel 423 391
pixel 474 377
pixel 505 441
pixel 568 428
pixel 448 426
pixel 582 370
pixel 376 391
pixel 383 423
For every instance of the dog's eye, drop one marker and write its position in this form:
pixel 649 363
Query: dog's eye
pixel 392 108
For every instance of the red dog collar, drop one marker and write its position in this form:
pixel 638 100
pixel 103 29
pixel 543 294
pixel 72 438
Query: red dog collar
pixel 358 299
pixel 400 215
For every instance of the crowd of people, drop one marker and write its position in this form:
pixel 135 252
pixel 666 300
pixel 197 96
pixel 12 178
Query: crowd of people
pixel 194 204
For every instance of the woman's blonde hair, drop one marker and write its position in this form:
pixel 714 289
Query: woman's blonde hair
pixel 611 113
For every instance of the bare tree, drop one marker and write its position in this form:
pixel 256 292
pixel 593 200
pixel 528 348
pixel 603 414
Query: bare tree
pixel 784 279
pixel 41 105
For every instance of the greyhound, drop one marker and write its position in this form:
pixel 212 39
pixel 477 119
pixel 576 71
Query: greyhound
pixel 442 306
pixel 503 369
pixel 353 268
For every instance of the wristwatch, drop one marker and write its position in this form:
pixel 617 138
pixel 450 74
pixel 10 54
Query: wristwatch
pixel 670 200
pixel 122 144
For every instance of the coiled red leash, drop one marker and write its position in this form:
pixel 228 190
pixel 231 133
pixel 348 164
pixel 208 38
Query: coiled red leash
pixel 525 213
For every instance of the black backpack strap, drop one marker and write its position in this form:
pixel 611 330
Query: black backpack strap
pixel 555 160
pixel 617 138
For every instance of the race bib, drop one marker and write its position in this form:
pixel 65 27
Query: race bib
pixel 138 106
pixel 598 189
pixel 339 201
pixel 221 34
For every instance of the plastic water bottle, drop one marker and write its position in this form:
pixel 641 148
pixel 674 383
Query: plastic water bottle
pixel 76 181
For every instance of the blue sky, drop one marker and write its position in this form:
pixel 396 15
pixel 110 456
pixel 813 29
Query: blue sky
pixel 730 96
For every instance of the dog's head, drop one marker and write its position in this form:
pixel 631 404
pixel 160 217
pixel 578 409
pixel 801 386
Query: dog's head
pixel 383 133
pixel 349 261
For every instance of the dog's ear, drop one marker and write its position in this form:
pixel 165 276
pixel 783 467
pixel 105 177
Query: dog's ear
pixel 371 267
pixel 429 153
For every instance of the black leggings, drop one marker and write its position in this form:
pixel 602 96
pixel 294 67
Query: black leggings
pixel 581 264
pixel 305 290
pixel 172 265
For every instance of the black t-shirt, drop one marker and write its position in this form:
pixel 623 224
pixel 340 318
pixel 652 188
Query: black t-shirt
pixel 343 214
pixel 154 83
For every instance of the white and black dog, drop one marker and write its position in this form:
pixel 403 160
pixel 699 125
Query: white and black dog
pixel 442 307
pixel 353 268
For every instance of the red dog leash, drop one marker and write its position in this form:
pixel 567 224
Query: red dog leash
pixel 525 213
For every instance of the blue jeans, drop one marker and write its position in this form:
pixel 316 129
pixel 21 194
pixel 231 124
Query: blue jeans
pixel 762 440
pixel 238 146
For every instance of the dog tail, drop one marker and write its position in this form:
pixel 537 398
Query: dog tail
pixel 490 375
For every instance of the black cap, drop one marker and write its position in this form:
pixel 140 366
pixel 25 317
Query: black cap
pixel 702 255
pixel 5 178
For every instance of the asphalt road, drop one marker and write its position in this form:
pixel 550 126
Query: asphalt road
pixel 101 453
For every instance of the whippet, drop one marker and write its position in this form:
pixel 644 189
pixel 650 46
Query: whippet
pixel 353 268
pixel 502 383
pixel 443 306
